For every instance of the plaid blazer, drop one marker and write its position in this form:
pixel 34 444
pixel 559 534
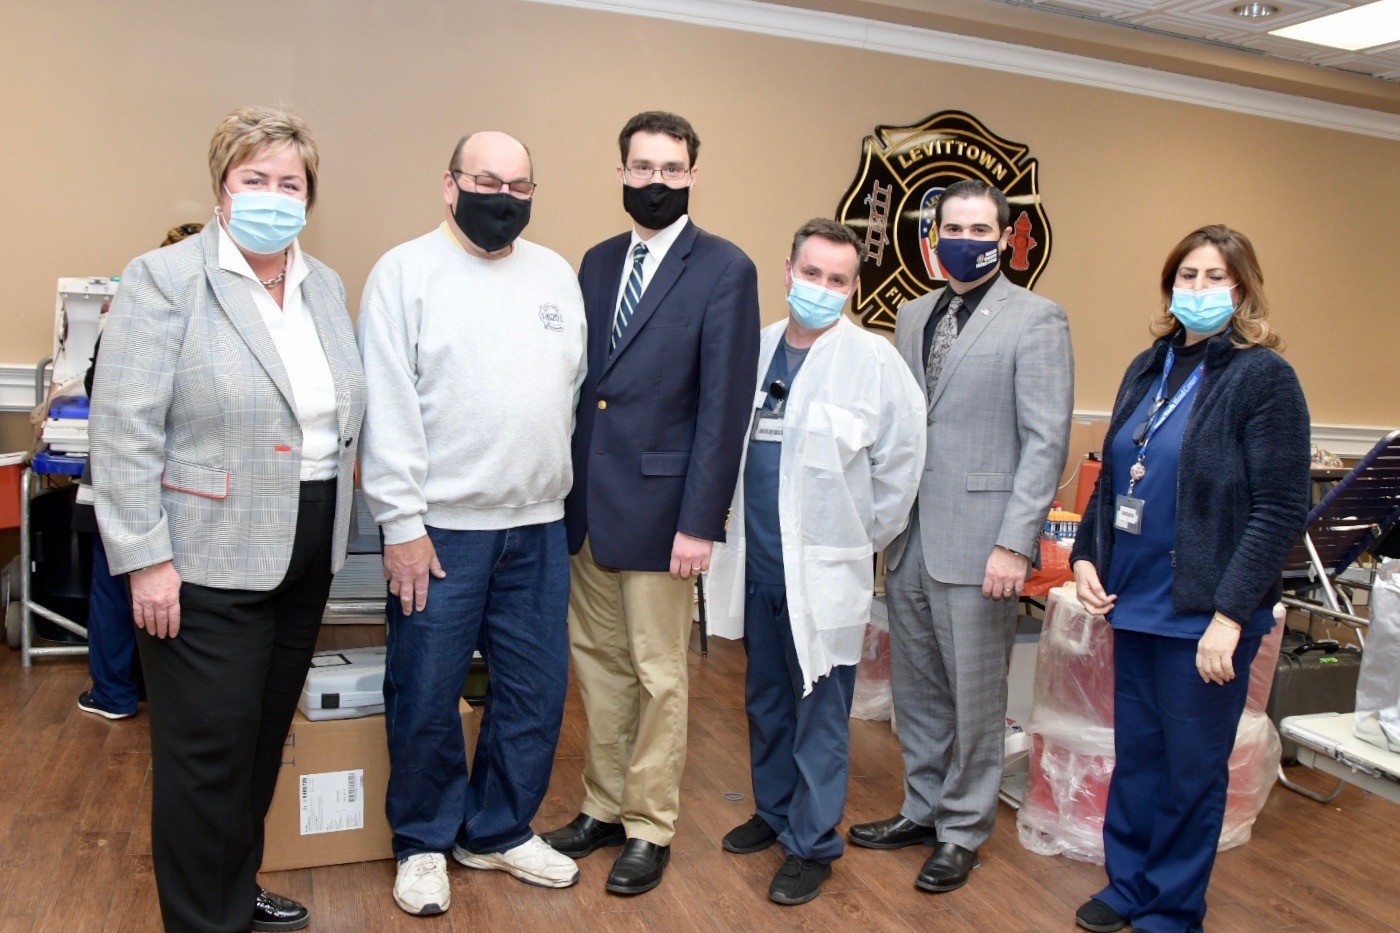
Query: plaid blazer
pixel 196 445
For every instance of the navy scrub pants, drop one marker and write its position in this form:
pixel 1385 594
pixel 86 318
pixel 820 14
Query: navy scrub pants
pixel 1173 735
pixel 799 747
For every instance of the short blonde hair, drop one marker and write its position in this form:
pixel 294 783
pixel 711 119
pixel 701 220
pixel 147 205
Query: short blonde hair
pixel 245 132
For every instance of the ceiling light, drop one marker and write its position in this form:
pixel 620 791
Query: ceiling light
pixel 1361 27
pixel 1254 10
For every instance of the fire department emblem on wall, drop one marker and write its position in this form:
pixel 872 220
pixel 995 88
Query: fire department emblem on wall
pixel 904 171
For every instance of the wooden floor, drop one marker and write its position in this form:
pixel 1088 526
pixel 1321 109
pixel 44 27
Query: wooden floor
pixel 75 843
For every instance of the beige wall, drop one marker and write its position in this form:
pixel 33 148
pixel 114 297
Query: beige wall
pixel 109 107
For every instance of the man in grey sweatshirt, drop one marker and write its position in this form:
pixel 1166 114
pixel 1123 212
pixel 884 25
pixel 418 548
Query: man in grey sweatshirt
pixel 473 343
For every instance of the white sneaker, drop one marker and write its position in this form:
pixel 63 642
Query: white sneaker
pixel 421 887
pixel 533 862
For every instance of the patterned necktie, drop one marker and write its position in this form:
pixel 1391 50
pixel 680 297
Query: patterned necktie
pixel 943 337
pixel 631 295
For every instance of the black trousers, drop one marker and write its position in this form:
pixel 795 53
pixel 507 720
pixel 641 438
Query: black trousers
pixel 221 695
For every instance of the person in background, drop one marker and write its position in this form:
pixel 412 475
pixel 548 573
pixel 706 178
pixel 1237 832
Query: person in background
pixel 995 362
pixel 1203 492
pixel 672 345
pixel 473 341
pixel 833 463
pixel 225 420
pixel 112 660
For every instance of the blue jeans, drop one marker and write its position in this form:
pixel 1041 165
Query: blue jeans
pixel 1172 734
pixel 506 594
pixel 799 747
pixel 111 637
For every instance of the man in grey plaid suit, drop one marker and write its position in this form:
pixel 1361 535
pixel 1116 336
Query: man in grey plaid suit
pixel 994 361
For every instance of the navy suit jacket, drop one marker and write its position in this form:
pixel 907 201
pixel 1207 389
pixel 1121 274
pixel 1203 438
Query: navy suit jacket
pixel 662 420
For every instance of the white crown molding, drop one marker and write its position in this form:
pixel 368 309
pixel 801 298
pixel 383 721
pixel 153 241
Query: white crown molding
pixel 16 388
pixel 914 42
pixel 1351 441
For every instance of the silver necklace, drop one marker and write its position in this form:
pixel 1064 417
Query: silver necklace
pixel 276 280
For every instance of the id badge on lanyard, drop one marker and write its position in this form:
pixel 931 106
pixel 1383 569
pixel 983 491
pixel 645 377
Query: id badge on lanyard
pixel 1127 508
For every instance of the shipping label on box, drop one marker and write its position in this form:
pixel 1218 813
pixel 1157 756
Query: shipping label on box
pixel 332 802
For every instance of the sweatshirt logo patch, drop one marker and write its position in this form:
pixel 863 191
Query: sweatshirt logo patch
pixel 551 318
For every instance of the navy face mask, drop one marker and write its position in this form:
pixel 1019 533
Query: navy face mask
pixel 968 260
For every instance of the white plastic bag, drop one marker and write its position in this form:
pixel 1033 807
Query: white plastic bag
pixel 872 698
pixel 1378 686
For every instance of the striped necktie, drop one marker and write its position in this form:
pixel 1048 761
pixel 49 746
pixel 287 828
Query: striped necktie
pixel 631 296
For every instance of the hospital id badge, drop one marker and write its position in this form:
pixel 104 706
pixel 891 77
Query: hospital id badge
pixel 1127 515
pixel 768 427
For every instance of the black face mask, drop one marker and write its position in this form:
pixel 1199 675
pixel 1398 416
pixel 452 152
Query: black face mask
pixel 491 221
pixel 655 206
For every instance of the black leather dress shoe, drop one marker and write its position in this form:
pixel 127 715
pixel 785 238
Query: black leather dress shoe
pixel 275 912
pixel 946 869
pixel 584 835
pixel 893 833
pixel 638 869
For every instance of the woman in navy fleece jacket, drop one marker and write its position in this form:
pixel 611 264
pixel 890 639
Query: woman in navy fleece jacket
pixel 1204 489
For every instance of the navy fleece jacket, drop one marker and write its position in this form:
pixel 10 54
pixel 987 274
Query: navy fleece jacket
pixel 1242 486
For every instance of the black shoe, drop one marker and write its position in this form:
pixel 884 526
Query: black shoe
pixel 87 704
pixel 894 833
pixel 754 836
pixel 638 869
pixel 275 912
pixel 1099 917
pixel 798 881
pixel 584 835
pixel 946 869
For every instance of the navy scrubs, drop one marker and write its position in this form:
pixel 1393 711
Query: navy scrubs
pixel 799 747
pixel 1173 732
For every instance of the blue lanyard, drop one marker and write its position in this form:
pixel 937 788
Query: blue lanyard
pixel 1155 420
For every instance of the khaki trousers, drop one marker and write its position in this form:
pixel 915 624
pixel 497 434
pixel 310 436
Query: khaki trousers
pixel 629 632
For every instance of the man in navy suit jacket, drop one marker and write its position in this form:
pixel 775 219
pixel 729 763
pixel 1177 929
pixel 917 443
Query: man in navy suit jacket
pixel 672 347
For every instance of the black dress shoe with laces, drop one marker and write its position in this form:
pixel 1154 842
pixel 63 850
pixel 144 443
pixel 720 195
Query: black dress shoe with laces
pixel 638 869
pixel 893 833
pixel 946 869
pixel 754 836
pixel 583 836
pixel 798 881
pixel 1098 917
pixel 275 912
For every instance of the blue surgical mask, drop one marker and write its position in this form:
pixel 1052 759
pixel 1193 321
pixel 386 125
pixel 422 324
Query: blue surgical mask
pixel 814 307
pixel 967 260
pixel 1204 311
pixel 265 222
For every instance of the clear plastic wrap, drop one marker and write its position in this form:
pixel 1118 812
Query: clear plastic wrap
pixel 872 698
pixel 1071 728
pixel 1378 687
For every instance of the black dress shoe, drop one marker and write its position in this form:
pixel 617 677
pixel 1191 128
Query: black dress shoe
pixel 638 869
pixel 583 835
pixel 1098 917
pixel 893 833
pixel 946 869
pixel 275 912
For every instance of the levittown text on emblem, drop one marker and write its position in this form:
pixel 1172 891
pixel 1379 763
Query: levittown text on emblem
pixel 904 170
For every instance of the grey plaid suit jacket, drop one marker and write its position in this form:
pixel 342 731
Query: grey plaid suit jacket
pixel 196 446
pixel 998 430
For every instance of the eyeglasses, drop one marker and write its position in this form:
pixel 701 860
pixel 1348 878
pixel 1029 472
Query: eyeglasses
pixel 645 173
pixel 490 184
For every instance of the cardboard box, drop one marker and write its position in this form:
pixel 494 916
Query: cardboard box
pixel 329 805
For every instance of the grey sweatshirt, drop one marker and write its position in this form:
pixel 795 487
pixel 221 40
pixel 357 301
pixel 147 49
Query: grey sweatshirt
pixel 473 369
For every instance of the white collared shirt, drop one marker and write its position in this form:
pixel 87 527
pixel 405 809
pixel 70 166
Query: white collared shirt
pixel 294 335
pixel 657 247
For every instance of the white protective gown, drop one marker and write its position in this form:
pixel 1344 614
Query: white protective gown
pixel 854 432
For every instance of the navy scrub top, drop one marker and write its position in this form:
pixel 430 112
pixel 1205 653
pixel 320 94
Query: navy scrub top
pixel 764 537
